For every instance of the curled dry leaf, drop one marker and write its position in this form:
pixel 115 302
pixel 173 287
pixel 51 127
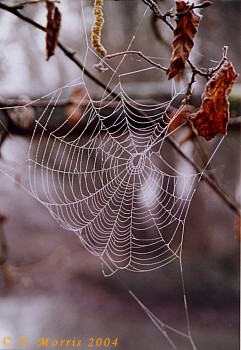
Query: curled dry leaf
pixel 213 115
pixel 184 33
pixel 52 28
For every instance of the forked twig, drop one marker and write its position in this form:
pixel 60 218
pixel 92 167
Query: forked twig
pixel 131 52
pixel 154 7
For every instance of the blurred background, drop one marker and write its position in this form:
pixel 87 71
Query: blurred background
pixel 50 286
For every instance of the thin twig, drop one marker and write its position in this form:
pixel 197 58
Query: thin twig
pixel 186 100
pixel 193 6
pixel 211 71
pixel 139 53
pixel 208 75
pixel 154 7
pixel 224 59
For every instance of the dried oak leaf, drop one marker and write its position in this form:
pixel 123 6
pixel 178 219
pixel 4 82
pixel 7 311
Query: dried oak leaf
pixel 184 33
pixel 213 115
pixel 52 28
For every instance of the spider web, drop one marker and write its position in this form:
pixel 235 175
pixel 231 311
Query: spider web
pixel 113 187
pixel 111 184
pixel 111 177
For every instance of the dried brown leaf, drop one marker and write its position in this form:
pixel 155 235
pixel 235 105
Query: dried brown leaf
pixel 184 33
pixel 52 28
pixel 213 115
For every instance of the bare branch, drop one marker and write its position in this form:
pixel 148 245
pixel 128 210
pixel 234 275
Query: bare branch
pixel 139 53
pixel 154 7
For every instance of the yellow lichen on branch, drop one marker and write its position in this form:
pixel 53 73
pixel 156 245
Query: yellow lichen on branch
pixel 97 27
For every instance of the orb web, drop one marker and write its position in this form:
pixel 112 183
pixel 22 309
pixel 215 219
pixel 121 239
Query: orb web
pixel 110 184
pixel 110 176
